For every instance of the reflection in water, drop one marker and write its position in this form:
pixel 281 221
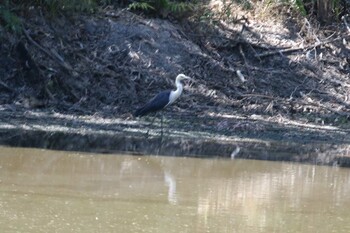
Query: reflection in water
pixel 50 191
pixel 171 183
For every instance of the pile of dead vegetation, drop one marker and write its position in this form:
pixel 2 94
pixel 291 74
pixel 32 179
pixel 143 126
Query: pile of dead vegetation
pixel 112 61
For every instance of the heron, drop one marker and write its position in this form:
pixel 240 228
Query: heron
pixel 163 99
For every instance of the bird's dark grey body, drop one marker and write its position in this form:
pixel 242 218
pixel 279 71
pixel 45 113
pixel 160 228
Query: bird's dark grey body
pixel 157 103
pixel 163 99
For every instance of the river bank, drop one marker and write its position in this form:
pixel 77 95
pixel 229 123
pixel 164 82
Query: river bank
pixel 72 83
pixel 239 138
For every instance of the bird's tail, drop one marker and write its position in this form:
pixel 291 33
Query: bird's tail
pixel 145 110
pixel 139 112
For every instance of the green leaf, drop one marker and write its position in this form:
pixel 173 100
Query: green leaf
pixel 141 6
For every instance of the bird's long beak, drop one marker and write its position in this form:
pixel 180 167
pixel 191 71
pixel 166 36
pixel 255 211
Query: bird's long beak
pixel 189 78
pixel 183 77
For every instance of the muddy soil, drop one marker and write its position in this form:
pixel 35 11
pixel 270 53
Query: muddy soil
pixel 72 83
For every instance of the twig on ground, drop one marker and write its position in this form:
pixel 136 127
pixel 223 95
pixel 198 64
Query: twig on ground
pixel 244 59
pixel 4 85
pixel 346 23
pixel 290 50
pixel 111 13
pixel 240 76
pixel 50 54
pixel 337 112
pixel 258 95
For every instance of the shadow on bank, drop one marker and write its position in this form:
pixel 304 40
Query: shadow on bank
pixel 123 69
pixel 308 144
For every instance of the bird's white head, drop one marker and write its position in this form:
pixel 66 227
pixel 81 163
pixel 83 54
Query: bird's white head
pixel 182 77
pixel 179 87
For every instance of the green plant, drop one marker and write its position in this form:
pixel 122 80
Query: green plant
pixel 325 10
pixel 161 5
pixel 339 6
pixel 67 5
pixel 215 13
pixel 9 19
pixel 144 6
pixel 9 9
pixel 179 7
pixel 299 4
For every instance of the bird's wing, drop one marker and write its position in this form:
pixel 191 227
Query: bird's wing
pixel 155 104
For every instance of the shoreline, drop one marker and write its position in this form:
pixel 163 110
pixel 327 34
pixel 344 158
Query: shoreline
pixel 70 132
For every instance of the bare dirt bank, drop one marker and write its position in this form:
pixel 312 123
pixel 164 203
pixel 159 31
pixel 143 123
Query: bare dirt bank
pixel 182 137
pixel 72 82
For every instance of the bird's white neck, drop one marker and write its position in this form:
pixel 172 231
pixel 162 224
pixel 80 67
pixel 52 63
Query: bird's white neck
pixel 175 94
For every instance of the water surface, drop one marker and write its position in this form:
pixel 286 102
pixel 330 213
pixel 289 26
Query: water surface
pixel 50 191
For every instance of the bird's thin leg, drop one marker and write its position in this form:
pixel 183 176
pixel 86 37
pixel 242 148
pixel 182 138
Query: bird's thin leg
pixel 161 126
pixel 149 127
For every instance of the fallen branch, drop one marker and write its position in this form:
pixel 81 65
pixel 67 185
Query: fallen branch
pixel 346 23
pixel 4 85
pixel 259 96
pixel 290 50
pixel 245 62
pixel 54 56
pixel 240 76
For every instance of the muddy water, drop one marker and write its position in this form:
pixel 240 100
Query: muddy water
pixel 50 191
